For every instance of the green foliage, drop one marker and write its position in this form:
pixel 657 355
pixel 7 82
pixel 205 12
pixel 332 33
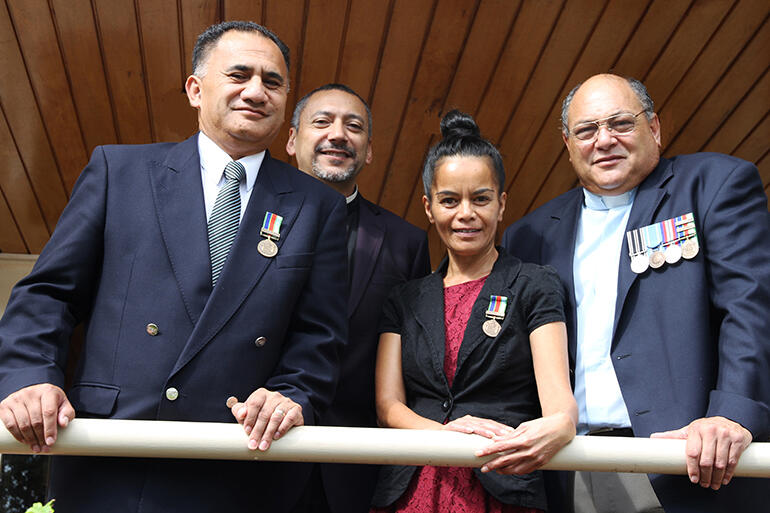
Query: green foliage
pixel 40 508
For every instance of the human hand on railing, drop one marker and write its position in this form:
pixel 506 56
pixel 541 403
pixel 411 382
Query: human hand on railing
pixel 479 426
pixel 714 445
pixel 265 416
pixel 529 446
pixel 34 414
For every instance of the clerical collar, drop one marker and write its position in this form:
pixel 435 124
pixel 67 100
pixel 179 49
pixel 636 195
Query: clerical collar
pixel 350 199
pixel 597 202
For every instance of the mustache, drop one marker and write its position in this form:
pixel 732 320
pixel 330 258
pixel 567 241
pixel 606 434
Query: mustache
pixel 336 146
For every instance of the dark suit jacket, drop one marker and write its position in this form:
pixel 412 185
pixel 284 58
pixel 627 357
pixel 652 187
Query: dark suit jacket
pixel 494 377
pixel 388 251
pixel 131 248
pixel 690 339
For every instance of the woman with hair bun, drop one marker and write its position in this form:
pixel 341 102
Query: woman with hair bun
pixel 479 346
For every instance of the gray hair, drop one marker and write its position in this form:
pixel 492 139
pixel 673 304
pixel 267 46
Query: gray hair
pixel 329 87
pixel 636 86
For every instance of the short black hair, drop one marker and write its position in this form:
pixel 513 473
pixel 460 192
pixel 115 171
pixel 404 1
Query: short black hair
pixel 460 136
pixel 209 38
pixel 329 87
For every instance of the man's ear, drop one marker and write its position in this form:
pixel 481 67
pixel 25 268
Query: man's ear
pixel 369 153
pixel 193 87
pixel 290 149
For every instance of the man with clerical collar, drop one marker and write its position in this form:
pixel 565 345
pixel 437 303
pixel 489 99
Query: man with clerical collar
pixel 207 273
pixel 666 263
pixel 330 136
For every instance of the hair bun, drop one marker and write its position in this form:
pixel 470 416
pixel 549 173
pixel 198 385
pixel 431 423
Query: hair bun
pixel 458 124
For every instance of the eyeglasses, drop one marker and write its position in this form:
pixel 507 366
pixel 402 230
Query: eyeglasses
pixel 623 123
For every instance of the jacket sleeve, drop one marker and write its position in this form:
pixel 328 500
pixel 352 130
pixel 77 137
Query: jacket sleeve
pixel 734 236
pixel 45 306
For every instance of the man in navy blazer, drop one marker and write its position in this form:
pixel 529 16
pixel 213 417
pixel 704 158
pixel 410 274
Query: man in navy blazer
pixel 330 136
pixel 673 344
pixel 130 258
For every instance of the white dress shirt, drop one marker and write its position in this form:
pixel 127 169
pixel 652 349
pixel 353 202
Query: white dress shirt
pixel 599 241
pixel 213 162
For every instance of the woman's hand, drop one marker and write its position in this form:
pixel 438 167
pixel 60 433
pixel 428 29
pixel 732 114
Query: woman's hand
pixel 479 426
pixel 529 446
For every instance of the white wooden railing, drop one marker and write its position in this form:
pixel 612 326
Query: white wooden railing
pixel 161 439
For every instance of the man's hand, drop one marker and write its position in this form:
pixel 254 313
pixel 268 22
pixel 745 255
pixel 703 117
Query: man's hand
pixel 714 445
pixel 34 414
pixel 265 416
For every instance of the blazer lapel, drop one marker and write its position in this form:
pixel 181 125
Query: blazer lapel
pixel 429 314
pixel 245 266
pixel 178 194
pixel 648 199
pixel 498 282
pixel 371 233
pixel 558 248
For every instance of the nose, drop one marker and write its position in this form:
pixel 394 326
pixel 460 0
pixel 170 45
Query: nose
pixel 605 138
pixel 254 91
pixel 466 210
pixel 337 131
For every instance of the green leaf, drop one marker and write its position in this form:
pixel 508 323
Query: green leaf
pixel 40 508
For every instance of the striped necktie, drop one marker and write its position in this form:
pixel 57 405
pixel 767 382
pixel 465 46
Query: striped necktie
pixel 224 220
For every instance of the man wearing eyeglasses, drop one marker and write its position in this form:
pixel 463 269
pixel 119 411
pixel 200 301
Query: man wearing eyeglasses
pixel 667 267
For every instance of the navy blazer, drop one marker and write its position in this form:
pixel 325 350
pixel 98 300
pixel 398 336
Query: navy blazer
pixel 131 248
pixel 689 339
pixel 388 251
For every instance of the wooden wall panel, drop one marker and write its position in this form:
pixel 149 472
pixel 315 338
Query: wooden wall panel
pixel 40 48
pixel 251 10
pixel 117 27
pixel 196 15
pixel 171 117
pixel 451 22
pixel 10 238
pixel 756 144
pixel 82 55
pixel 19 197
pixel 287 19
pixel 616 24
pixel 736 82
pixel 403 44
pixel 22 114
pixel 481 56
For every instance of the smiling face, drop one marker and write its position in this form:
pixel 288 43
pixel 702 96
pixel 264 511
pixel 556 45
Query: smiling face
pixel 611 164
pixel 465 204
pixel 241 98
pixel 331 140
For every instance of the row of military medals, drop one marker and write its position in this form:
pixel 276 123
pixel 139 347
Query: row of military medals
pixel 495 313
pixel 661 243
pixel 271 230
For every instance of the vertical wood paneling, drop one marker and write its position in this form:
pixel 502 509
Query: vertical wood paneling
pixel 573 29
pixel 172 117
pixel 25 123
pixel 10 238
pixel 533 26
pixel 82 55
pixel 360 52
pixel 286 18
pixel 244 10
pixel 117 28
pixel 403 44
pixel 196 15
pixel 481 55
pixel 39 45
pixel 733 85
pixel 451 23
pixel 713 61
pixel 20 198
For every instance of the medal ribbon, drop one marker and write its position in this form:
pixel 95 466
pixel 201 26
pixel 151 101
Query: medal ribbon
pixel 271 226
pixel 654 235
pixel 669 232
pixel 497 306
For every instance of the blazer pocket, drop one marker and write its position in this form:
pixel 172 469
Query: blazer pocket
pixel 296 261
pixel 94 398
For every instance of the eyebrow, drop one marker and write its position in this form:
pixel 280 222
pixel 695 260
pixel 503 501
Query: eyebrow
pixel 454 193
pixel 349 115
pixel 599 119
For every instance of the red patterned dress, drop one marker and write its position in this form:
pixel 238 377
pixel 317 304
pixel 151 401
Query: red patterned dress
pixel 451 489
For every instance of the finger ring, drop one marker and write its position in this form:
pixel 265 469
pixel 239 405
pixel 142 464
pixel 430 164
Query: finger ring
pixel 280 412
